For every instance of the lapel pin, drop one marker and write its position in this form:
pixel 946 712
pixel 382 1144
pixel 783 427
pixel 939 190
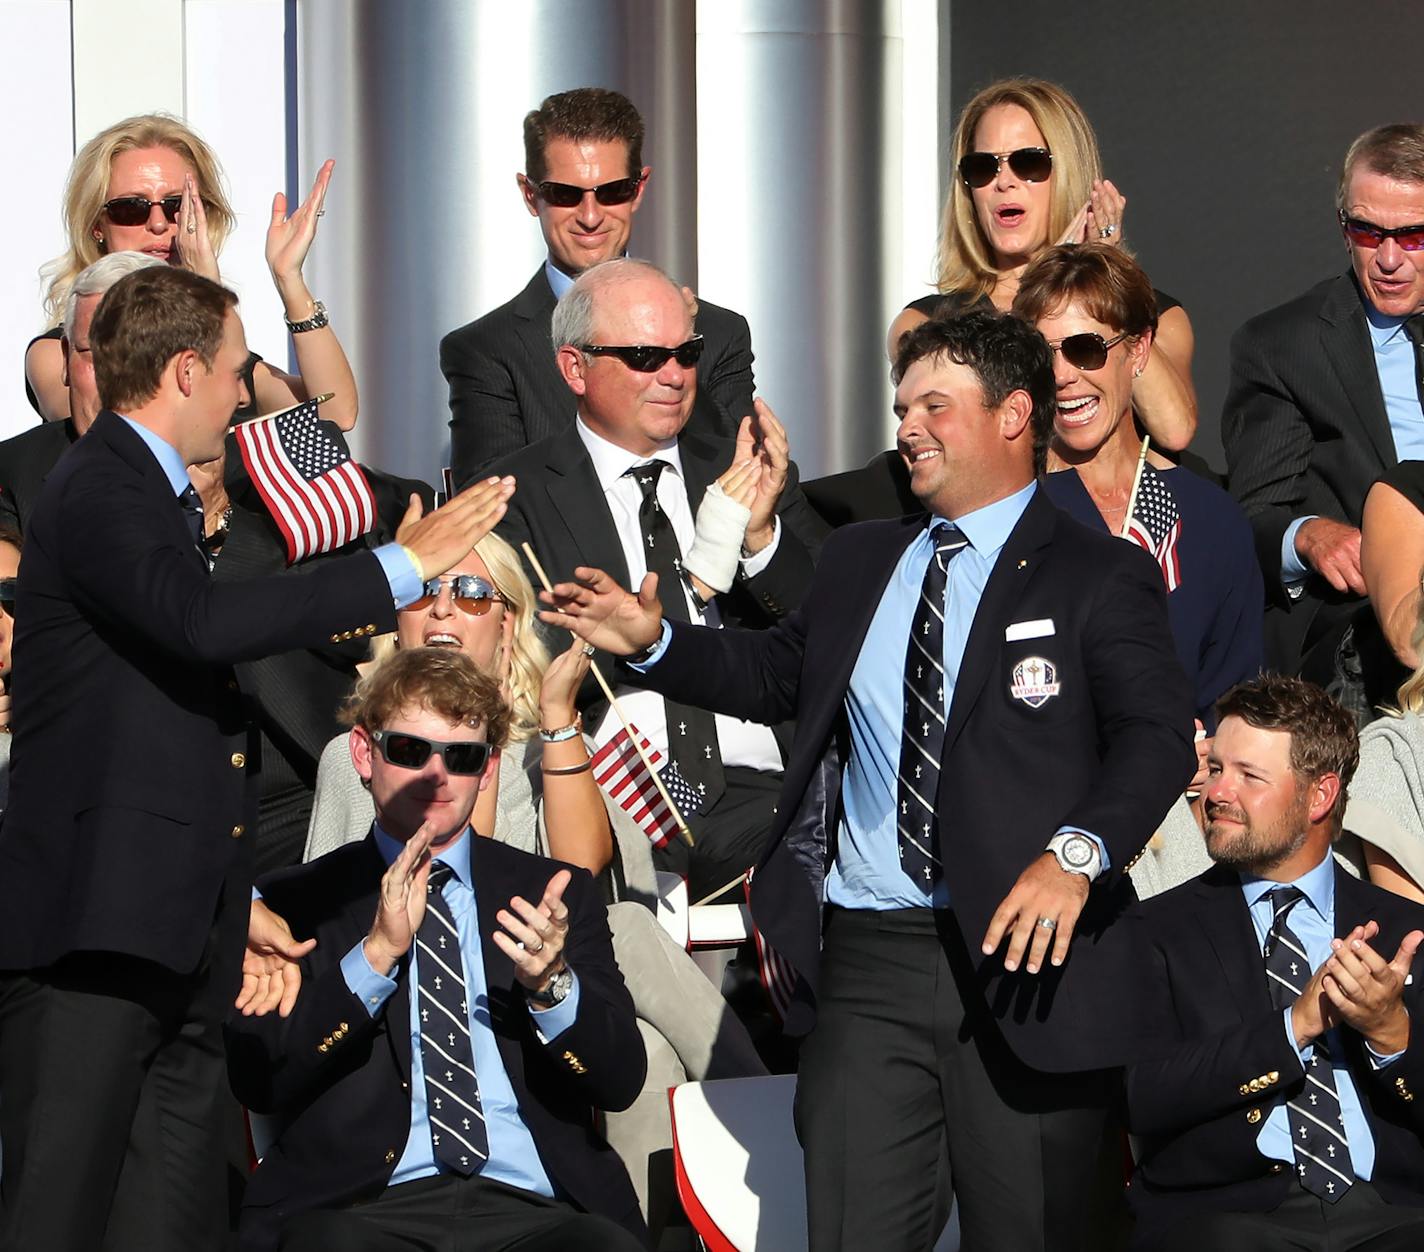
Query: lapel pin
pixel 1022 564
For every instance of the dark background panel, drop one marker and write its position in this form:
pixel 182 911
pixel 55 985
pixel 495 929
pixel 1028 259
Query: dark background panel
pixel 1223 124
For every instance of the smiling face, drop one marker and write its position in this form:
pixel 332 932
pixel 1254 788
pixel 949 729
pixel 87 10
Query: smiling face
pixel 1391 278
pixel 484 639
pixel 407 798
pixel 579 238
pixel 1093 405
pixel 1012 214
pixel 152 173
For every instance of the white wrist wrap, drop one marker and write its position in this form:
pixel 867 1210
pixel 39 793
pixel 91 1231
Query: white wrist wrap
pixel 717 545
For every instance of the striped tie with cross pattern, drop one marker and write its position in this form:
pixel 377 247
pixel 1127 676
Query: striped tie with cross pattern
pixel 452 1092
pixel 922 734
pixel 1317 1126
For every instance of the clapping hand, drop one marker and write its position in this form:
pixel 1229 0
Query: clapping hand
pixel 289 239
pixel 762 441
pixel 596 608
pixel 401 907
pixel 1367 992
pixel 271 977
pixel 534 935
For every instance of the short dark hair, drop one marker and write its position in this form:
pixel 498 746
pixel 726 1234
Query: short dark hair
pixel 1006 355
pixel 1324 739
pixel 1396 151
pixel 441 680
pixel 1103 279
pixel 148 318
pixel 584 113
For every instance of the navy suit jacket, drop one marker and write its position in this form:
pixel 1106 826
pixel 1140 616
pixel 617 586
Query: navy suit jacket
pixel 338 1079
pixel 129 796
pixel 1107 755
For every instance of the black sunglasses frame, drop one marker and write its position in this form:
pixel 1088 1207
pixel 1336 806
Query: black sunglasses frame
pixel 1091 342
pixel 567 195
pixel 648 358
pixel 169 204
pixel 1357 225
pixel 1018 159
pixel 385 740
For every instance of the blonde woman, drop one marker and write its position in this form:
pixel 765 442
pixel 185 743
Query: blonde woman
pixel 1027 176
pixel 150 184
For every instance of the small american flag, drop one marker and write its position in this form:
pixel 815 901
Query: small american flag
pixel 316 493
pixel 625 780
pixel 1156 525
pixel 778 975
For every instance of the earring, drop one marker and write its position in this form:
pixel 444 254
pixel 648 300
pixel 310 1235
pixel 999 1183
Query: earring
pixel 1137 373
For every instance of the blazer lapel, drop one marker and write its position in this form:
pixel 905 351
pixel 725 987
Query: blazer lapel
pixel 1011 574
pixel 576 496
pixel 1226 923
pixel 1345 338
pixel 700 468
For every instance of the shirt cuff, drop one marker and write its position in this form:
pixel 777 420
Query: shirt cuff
pixel 655 655
pixel 552 1022
pixel 1293 569
pixel 1306 1052
pixel 1104 861
pixel 1378 1061
pixel 371 988
pixel 754 564
pixel 401 574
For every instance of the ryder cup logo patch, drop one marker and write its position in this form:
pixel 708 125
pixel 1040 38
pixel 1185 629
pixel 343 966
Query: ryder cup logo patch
pixel 1035 680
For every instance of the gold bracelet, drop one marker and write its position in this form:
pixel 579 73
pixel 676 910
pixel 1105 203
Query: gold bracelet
pixel 567 769
pixel 415 560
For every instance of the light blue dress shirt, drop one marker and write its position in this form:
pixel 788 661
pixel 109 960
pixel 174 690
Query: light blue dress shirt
pixel 1312 921
pixel 559 282
pixel 400 572
pixel 513 1158
pixel 1394 363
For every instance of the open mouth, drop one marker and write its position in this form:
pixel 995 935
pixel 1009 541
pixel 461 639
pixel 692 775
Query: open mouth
pixel 1078 411
pixel 441 640
pixel 1009 215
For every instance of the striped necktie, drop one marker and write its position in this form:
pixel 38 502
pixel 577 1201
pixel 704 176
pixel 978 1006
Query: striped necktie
pixel 1317 1126
pixel 452 1092
pixel 922 734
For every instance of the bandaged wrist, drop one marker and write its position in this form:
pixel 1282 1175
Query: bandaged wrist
pixel 717 544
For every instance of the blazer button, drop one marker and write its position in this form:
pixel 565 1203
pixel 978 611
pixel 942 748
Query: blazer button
pixel 1277 1167
pixel 237 831
pixel 1245 1089
pixel 238 760
pixel 1273 1076
pixel 390 1156
pixel 1253 1117
pixel 336 639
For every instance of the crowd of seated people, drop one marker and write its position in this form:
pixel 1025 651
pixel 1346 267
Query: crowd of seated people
pixel 1018 740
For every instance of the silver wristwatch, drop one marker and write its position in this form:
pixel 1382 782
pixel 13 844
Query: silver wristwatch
pixel 556 992
pixel 1077 854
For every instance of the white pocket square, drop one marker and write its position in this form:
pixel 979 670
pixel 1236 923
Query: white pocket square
pixel 1039 628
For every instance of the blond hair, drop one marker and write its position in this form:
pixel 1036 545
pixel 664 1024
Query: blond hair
pixel 88 187
pixel 528 657
pixel 966 263
pixel 1411 691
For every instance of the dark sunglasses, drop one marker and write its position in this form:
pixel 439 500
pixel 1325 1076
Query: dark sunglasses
pixel 646 359
pixel 1088 351
pixel 566 195
pixel 135 210
pixel 412 752
pixel 1368 235
pixel 470 593
pixel 979 169
pixel 7 595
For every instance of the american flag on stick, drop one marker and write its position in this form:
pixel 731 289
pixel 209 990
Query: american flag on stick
pixel 620 771
pixel 316 493
pixel 778 975
pixel 1156 525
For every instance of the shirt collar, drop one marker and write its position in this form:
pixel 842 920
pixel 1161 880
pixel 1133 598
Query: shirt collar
pixel 559 282
pixel 172 465
pixel 456 855
pixel 988 528
pixel 610 462
pixel 1383 327
pixel 1317 885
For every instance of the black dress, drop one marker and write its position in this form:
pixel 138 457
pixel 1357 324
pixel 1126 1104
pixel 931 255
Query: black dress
pixel 945 302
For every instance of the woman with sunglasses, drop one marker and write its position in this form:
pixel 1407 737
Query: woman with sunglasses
pixel 1028 176
pixel 1096 308
pixel 150 184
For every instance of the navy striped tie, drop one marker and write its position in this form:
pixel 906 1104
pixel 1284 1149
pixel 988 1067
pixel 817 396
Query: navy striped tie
pixel 922 734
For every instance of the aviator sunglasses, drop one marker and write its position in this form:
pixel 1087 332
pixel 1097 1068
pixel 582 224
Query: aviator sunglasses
pixel 412 751
pixel 645 358
pixel 566 195
pixel 979 169
pixel 1368 235
pixel 1088 351
pixel 134 210
pixel 471 593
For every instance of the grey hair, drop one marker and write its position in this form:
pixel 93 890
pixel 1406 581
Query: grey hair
pixel 96 279
pixel 573 315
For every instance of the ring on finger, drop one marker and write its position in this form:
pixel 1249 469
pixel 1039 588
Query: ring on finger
pixel 1048 923
pixel 588 649
pixel 1108 231
pixel 533 950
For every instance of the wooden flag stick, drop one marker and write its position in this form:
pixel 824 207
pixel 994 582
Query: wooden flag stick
pixel 321 399
pixel 1136 483
pixel 683 832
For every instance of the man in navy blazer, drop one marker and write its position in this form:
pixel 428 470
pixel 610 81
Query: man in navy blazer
pixel 1278 1109
pixel 125 850
pixel 953 914
pixel 374 1142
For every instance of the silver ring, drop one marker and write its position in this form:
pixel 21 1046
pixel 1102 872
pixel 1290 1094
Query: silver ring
pixel 519 943
pixel 321 212
pixel 535 951
pixel 589 649
pixel 1048 923
pixel 1108 231
pixel 192 229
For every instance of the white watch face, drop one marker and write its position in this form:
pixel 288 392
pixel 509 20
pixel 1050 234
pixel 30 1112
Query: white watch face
pixel 1078 851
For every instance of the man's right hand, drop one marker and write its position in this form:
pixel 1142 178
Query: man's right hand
pixel 1313 1013
pixel 401 907
pixel 443 538
pixel 597 609
pixel 1332 550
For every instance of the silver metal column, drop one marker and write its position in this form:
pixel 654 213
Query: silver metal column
pixel 421 104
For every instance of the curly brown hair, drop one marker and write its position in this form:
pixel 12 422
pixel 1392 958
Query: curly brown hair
pixel 440 680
